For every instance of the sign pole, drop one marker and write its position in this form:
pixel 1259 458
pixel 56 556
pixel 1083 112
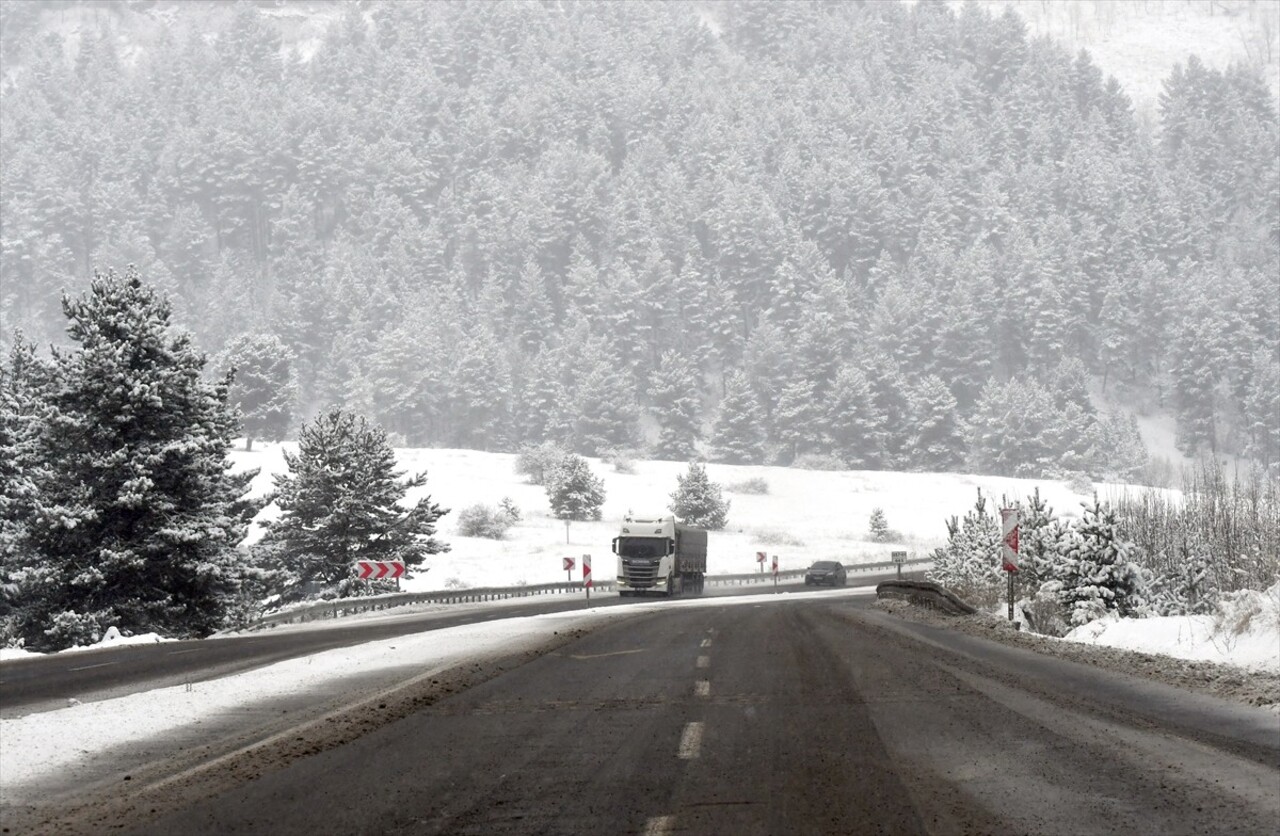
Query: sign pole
pixel 775 573
pixel 1009 548
pixel 586 576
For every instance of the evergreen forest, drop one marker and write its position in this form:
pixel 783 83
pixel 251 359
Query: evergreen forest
pixel 872 234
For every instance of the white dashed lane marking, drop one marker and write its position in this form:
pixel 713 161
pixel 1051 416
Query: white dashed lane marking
pixel 706 642
pixel 691 741
pixel 704 661
pixel 702 688
pixel 659 825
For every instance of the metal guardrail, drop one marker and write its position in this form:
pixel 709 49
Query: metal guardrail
pixel 371 603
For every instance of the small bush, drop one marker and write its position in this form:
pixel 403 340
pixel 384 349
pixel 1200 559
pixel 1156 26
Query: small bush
pixel 538 462
pixel 508 507
pixel 880 531
pixel 756 486
pixel 483 521
pixel 818 461
pixel 623 461
pixel 770 537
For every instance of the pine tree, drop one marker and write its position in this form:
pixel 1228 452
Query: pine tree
pixel 22 388
pixel 263 387
pixel 674 391
pixel 135 519
pixel 850 419
pixel 938 443
pixel 739 435
pixel 970 562
pixel 574 492
pixel 796 419
pixel 1094 573
pixel 698 501
pixel 341 501
pixel 878 526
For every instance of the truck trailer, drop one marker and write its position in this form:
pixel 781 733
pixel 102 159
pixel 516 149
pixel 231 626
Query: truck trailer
pixel 660 556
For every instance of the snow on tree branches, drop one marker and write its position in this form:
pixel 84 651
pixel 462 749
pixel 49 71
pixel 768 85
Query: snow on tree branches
pixel 340 503
pixel 130 516
pixel 698 501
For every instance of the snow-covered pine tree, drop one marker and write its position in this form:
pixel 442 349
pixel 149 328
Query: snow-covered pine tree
pixel 850 419
pixel 575 493
pixel 22 382
pixel 878 527
pixel 674 391
pixel 796 419
pixel 739 434
pixel 135 519
pixel 606 404
pixel 938 443
pixel 1094 569
pixel 340 502
pixel 264 388
pixel 698 501
pixel 970 562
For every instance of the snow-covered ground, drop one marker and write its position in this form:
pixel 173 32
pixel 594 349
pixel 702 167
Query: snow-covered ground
pixel 1246 633
pixel 55 743
pixel 806 515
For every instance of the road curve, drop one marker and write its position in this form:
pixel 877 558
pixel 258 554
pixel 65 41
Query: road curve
pixel 44 683
pixel 814 715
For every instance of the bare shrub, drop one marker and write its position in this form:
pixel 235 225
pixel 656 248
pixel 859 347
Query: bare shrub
pixel 483 521
pixel 537 462
pixel 754 485
pixel 771 537
pixel 818 461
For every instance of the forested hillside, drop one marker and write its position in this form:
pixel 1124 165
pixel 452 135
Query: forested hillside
pixel 885 235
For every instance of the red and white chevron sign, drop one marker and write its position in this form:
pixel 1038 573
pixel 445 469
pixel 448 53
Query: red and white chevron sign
pixel 586 571
pixel 377 569
pixel 1009 544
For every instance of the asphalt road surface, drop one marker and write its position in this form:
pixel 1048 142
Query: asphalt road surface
pixel 47 682
pixel 811 716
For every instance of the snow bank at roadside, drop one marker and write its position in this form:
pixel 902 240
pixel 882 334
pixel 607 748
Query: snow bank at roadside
pixel 113 638
pixel 1244 632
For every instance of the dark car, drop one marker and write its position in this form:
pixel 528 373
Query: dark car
pixel 825 572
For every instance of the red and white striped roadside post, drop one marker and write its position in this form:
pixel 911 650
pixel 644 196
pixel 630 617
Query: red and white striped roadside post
pixel 1009 548
pixel 775 571
pixel 586 576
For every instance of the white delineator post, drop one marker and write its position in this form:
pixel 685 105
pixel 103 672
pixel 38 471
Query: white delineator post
pixel 1009 548
pixel 775 571
pixel 586 575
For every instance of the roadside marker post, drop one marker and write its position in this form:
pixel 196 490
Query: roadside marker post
pixel 899 558
pixel 775 571
pixel 586 576
pixel 568 563
pixel 760 556
pixel 1009 548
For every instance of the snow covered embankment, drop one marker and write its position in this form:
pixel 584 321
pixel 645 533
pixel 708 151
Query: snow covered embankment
pixel 1245 631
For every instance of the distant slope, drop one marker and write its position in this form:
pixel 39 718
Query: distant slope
pixel 1139 41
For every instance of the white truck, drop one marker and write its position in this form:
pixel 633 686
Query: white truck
pixel 660 555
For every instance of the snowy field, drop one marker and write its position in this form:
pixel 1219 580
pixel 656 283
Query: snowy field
pixel 806 515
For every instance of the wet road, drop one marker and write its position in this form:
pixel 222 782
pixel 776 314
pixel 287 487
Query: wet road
pixel 815 715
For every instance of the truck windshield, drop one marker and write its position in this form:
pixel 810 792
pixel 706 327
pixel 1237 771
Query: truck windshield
pixel 642 547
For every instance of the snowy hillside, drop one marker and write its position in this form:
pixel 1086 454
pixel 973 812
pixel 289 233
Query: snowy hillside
pixel 806 515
